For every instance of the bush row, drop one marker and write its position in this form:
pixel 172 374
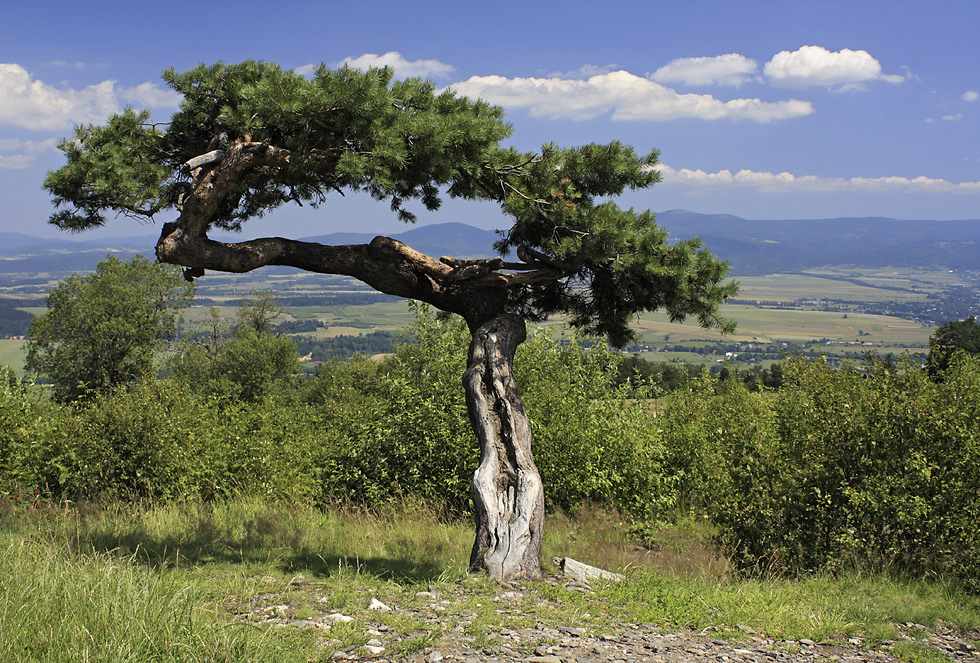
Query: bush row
pixel 358 430
pixel 878 467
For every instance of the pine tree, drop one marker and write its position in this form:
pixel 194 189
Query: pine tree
pixel 250 137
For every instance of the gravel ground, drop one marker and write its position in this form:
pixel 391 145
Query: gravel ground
pixel 550 643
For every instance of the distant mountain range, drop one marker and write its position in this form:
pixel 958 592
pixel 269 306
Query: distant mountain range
pixel 751 247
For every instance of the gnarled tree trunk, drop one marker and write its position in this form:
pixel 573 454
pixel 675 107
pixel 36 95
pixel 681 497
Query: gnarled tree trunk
pixel 507 491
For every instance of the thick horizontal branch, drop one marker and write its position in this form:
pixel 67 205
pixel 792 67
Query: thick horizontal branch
pixel 385 264
pixel 204 159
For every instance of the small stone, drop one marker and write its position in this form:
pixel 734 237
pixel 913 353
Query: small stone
pixel 374 642
pixel 576 631
pixel 303 623
pixel 338 618
pixel 374 651
pixel 378 606
pixel 807 643
pixel 434 656
pixel 544 659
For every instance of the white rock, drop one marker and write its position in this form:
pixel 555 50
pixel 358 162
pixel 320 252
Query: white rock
pixel 378 606
pixel 338 618
pixel 579 571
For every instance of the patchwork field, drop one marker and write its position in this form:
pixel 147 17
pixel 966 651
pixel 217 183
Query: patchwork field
pixel 792 287
pixel 772 325
pixel 782 310
pixel 12 354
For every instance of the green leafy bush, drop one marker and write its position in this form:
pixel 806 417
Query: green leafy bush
pixel 405 426
pixel 159 439
pixel 594 442
pixel 874 468
pixel 101 330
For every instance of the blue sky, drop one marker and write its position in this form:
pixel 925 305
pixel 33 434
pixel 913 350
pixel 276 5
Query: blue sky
pixel 779 109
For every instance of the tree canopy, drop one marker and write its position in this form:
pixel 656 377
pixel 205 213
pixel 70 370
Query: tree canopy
pixel 953 336
pixel 248 364
pixel 251 137
pixel 101 329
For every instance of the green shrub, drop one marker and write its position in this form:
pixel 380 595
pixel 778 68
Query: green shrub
pixel 402 425
pixel 874 468
pixel 159 439
pixel 30 433
pixel 593 442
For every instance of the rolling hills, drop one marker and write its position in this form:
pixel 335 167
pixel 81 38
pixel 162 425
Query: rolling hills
pixel 752 247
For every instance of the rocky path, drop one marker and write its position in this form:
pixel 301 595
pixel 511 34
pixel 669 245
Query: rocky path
pixel 441 632
pixel 644 643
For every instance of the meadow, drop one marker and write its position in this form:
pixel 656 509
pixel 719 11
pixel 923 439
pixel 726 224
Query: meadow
pixel 251 580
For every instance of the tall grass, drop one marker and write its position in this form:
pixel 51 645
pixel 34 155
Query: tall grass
pixel 59 605
pixel 174 582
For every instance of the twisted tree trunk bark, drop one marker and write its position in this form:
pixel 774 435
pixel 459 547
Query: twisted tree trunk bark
pixel 507 492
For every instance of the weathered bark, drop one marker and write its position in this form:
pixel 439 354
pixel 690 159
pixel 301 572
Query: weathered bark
pixel 507 491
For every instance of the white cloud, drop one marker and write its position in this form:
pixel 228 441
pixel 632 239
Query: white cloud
pixel 971 95
pixel 845 70
pixel 403 68
pixel 953 117
pixel 77 65
pixel 16 154
pixel 730 69
pixel 150 95
pixel 306 69
pixel 788 183
pixel 585 71
pixel 624 95
pixel 32 104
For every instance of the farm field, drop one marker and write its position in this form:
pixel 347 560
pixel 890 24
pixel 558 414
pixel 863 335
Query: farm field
pixel 851 284
pixel 12 354
pixel 795 324
pixel 773 325
pixel 792 287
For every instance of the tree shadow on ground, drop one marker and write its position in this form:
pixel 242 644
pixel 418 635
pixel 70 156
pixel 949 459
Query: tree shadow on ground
pixel 260 541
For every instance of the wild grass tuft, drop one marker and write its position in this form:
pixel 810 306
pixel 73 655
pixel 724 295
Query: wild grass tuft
pixel 192 581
